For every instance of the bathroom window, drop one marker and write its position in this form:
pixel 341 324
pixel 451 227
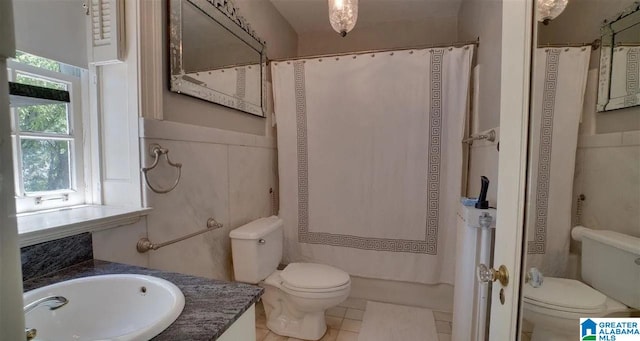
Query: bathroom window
pixel 47 139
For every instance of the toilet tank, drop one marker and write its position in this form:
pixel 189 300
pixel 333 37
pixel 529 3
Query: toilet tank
pixel 611 263
pixel 256 249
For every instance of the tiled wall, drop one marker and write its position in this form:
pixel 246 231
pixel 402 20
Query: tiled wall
pixel 608 174
pixel 225 175
pixel 119 244
pixel 47 257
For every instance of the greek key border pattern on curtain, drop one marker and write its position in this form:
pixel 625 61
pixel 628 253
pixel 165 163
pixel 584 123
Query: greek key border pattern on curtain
pixel 538 244
pixel 430 244
pixel 241 87
pixel 632 77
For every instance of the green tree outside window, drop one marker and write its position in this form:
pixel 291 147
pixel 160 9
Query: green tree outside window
pixel 45 162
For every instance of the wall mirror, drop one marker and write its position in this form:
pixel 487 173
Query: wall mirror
pixel 216 56
pixel 618 85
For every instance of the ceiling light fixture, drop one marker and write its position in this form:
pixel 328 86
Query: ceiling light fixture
pixel 550 9
pixel 343 15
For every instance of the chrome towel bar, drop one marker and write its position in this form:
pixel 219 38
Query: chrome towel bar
pixel 144 244
pixel 157 151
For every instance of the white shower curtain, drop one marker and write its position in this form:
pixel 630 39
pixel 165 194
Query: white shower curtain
pixel 625 75
pixel 559 83
pixel 370 160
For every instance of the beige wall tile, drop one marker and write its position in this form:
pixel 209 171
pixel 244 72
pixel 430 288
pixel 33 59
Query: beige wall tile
pixel 203 193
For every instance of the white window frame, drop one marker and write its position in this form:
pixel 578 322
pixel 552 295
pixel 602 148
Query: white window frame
pixel 80 192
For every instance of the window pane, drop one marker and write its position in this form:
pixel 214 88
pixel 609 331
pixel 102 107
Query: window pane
pixel 36 61
pixel 45 83
pixel 49 118
pixel 45 165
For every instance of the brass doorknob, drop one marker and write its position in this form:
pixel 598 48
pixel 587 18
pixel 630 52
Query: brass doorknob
pixel 487 274
pixel 30 333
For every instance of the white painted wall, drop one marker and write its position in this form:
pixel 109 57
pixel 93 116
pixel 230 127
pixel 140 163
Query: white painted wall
pixel 281 42
pixel 608 174
pixel 52 29
pixel 227 171
pixel 580 21
pixel 607 170
pixel 588 15
pixel 483 18
pixel 608 155
pixel 382 36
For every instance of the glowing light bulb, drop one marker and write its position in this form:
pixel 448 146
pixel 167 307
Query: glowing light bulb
pixel 343 15
pixel 550 9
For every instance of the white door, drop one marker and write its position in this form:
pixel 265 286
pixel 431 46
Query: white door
pixel 517 18
pixel 11 318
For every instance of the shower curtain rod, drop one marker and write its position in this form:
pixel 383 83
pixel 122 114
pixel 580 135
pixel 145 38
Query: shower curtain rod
pixel 594 45
pixel 455 44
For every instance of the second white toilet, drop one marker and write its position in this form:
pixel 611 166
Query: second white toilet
pixel 610 270
pixel 295 298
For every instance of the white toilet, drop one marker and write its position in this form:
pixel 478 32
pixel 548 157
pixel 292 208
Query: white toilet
pixel 295 298
pixel 611 273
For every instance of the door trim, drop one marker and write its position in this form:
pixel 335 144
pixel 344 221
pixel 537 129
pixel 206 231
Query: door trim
pixel 517 34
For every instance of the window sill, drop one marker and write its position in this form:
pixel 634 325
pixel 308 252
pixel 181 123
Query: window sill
pixel 34 228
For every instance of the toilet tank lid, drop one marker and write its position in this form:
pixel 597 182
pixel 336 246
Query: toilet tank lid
pixel 257 228
pixel 615 239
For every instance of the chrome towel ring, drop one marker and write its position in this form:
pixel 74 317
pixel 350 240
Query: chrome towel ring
pixel 157 151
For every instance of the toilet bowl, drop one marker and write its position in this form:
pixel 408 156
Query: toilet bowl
pixel 555 308
pixel 295 299
pixel 295 305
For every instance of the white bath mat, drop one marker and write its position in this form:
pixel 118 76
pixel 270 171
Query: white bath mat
pixel 390 322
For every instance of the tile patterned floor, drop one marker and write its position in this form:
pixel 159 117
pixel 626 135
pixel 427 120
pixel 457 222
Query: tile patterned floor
pixel 344 322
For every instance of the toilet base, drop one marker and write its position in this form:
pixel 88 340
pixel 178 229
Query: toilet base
pixel 310 327
pixel 301 318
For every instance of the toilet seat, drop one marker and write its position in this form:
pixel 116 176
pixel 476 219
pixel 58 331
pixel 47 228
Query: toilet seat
pixel 304 275
pixel 333 292
pixel 566 295
pixel 312 277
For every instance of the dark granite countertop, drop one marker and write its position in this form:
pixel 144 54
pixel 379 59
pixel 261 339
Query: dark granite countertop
pixel 211 306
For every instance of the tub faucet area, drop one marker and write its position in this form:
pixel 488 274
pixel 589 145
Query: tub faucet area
pixel 53 302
